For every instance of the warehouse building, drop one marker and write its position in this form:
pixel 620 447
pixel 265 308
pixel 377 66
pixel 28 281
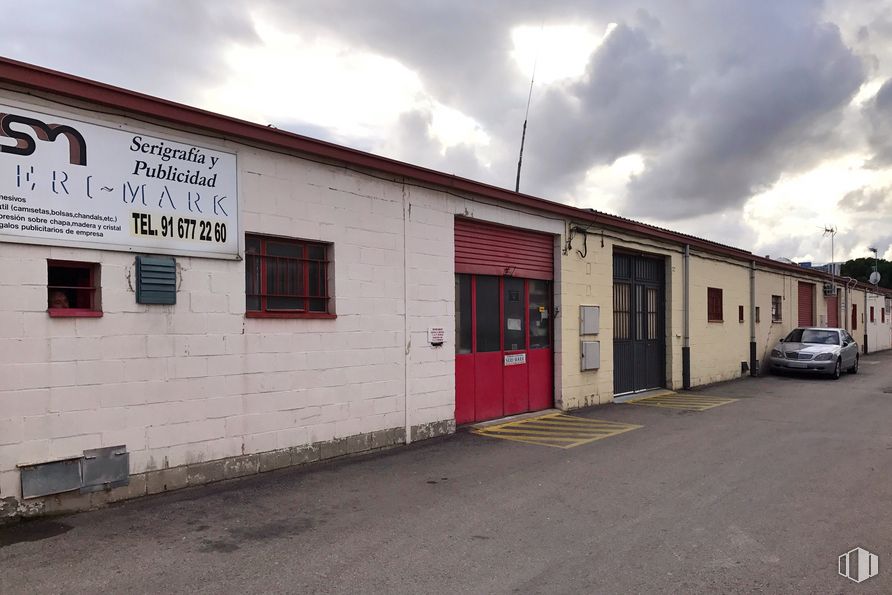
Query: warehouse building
pixel 188 297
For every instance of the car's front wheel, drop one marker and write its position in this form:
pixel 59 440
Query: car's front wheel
pixel 837 370
pixel 854 369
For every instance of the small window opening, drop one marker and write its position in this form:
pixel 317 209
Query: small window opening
pixel 73 289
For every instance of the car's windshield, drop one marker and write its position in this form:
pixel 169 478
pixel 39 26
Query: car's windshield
pixel 806 335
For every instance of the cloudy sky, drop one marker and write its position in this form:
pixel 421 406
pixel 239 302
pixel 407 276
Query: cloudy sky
pixel 750 122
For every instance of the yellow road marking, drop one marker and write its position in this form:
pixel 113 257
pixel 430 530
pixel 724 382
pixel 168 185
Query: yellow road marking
pixel 556 430
pixel 686 401
pixel 545 432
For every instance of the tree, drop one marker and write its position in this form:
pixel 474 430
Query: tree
pixel 861 268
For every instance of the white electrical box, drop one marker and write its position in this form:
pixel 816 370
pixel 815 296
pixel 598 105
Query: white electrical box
pixel 591 355
pixel 589 320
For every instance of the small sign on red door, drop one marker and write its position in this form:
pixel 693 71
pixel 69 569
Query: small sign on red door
pixel 515 359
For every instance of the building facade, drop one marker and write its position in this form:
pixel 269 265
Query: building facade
pixel 188 298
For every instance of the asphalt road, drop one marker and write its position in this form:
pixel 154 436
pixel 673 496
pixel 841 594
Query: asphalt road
pixel 762 494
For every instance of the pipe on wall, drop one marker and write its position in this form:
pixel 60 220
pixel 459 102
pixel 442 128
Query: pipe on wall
pixel 407 340
pixel 845 307
pixel 864 314
pixel 754 363
pixel 686 344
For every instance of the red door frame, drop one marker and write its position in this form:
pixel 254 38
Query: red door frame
pixel 481 377
pixel 516 379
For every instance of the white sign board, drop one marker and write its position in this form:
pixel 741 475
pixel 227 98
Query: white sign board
pixel 70 183
pixel 436 335
pixel 515 359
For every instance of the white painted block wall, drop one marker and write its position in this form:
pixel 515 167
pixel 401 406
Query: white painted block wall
pixel 199 381
pixel 879 332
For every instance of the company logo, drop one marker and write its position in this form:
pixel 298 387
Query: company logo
pixel 25 144
pixel 859 565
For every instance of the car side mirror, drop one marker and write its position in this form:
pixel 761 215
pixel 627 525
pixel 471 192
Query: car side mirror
pixel 782 340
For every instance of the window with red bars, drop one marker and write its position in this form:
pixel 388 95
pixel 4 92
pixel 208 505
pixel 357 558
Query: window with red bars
pixel 714 304
pixel 286 278
pixel 73 289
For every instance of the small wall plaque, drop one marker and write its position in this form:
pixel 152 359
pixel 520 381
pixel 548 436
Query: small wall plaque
pixel 436 335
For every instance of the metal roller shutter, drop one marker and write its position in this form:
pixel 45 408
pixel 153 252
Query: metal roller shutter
pixel 832 311
pixel 486 249
pixel 806 304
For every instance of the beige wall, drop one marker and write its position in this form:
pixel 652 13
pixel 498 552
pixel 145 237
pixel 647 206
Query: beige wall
pixel 588 280
pixel 717 348
pixel 878 330
pixel 770 283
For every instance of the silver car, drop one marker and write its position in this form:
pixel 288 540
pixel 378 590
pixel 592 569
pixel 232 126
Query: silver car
pixel 816 351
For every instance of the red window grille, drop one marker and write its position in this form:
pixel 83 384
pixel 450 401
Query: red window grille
pixel 286 278
pixel 714 304
pixel 73 289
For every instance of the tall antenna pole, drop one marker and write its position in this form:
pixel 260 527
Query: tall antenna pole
pixel 526 116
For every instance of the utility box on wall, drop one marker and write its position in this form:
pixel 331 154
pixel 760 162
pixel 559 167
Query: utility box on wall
pixel 589 320
pixel 591 355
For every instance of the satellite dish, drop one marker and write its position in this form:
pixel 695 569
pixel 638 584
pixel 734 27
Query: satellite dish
pixel 875 277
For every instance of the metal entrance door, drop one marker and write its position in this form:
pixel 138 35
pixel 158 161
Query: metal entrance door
pixel 639 341
pixel 503 358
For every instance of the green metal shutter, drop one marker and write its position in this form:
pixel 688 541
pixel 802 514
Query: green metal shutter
pixel 156 280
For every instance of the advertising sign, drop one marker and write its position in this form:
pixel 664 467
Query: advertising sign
pixel 65 182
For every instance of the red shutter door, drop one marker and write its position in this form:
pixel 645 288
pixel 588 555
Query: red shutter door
pixel 486 249
pixel 806 304
pixel 832 311
pixel 503 277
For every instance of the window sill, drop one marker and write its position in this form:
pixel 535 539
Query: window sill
pixel 73 313
pixel 312 315
pixel 716 321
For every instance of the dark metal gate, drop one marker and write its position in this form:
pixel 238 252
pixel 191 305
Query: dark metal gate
pixel 639 320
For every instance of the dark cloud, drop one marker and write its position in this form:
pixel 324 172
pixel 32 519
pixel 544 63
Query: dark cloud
pixel 165 49
pixel 412 136
pixel 721 98
pixel 878 113
pixel 868 200
pixel 749 121
pixel 626 103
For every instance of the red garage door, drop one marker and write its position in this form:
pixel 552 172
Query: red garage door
pixel 833 311
pixel 806 304
pixel 503 312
